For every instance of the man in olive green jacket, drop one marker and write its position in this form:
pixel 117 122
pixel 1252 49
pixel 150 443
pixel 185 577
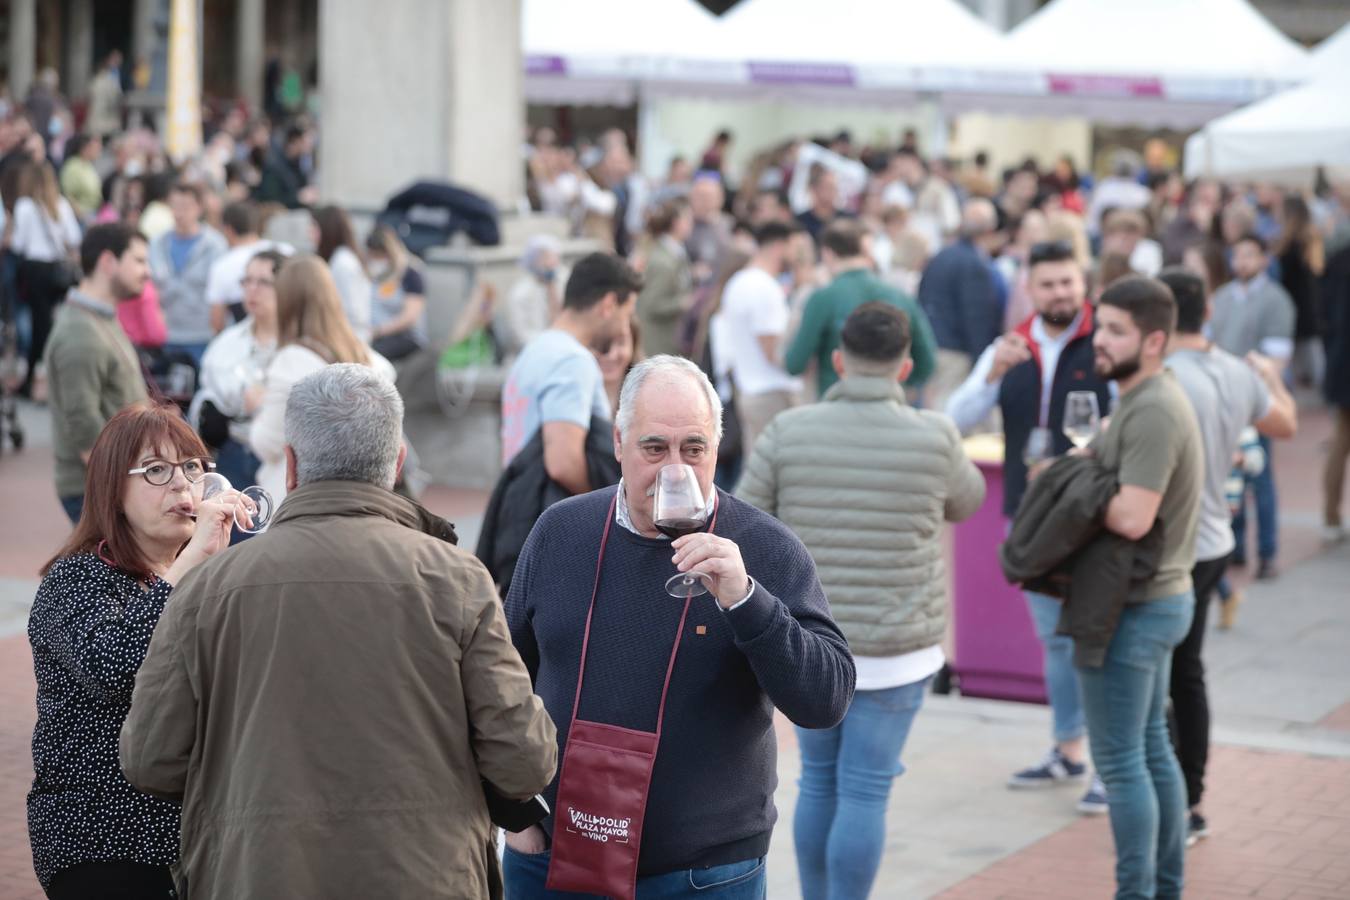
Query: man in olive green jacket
pixel 325 698
pixel 866 482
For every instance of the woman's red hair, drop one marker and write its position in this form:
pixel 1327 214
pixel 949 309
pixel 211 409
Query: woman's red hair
pixel 103 526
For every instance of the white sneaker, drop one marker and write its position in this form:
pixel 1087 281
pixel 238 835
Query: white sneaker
pixel 1333 534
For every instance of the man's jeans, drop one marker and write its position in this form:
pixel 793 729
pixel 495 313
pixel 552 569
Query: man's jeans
pixel 1061 678
pixel 73 506
pixel 526 874
pixel 1262 488
pixel 1190 698
pixel 1126 704
pixel 847 772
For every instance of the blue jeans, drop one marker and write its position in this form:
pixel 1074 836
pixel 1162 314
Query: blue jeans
pixel 73 507
pixel 847 771
pixel 1061 678
pixel 196 351
pixel 1126 704
pixel 1262 488
pixel 526 874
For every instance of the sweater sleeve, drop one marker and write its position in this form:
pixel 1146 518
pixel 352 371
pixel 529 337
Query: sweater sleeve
pixel 519 611
pixel 78 368
pixel 793 645
pixel 922 344
pixel 803 347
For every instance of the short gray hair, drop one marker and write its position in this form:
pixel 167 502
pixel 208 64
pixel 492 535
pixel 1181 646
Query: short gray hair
pixel 345 423
pixel 664 364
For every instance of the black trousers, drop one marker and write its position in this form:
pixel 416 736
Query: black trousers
pixel 112 880
pixel 1190 701
pixel 42 286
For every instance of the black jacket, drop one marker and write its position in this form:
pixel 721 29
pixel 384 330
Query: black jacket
pixel 524 491
pixel 1059 546
pixel 1336 308
pixel 427 214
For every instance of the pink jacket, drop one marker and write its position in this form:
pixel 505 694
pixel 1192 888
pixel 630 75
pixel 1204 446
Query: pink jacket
pixel 142 319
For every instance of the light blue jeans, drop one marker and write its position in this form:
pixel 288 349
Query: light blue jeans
pixel 840 823
pixel 526 874
pixel 1126 704
pixel 1061 679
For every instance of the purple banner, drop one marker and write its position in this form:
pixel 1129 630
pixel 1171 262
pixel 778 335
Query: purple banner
pixel 1106 85
pixel 545 65
pixel 802 73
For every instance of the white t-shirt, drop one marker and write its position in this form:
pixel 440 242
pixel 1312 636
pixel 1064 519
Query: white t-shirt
pixel 754 305
pixel 36 234
pixel 877 673
pixel 222 284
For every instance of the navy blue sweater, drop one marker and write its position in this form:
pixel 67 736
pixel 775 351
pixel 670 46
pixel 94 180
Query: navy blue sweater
pixel 711 798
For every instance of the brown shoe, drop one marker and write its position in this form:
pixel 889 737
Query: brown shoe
pixel 1228 610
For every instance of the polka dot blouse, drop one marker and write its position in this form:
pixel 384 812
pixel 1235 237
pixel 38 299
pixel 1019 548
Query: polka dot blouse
pixel 90 627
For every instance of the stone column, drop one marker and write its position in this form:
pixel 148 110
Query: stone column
pixel 79 51
pixel 22 46
pixel 142 31
pixel 250 33
pixel 427 89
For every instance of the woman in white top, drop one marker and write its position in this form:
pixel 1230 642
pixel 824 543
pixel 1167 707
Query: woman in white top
pixel 312 332
pixel 46 240
pixel 332 235
pixel 233 369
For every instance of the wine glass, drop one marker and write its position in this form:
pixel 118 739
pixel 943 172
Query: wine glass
pixel 1082 420
pixel 253 514
pixel 1039 448
pixel 680 510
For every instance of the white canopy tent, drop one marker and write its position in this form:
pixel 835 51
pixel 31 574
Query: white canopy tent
pixel 598 52
pixel 1287 137
pixel 1174 63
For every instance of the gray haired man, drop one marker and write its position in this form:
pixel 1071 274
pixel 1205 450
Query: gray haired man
pixel 325 700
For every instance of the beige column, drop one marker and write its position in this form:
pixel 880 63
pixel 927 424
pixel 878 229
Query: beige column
pixel 426 89
pixel 142 31
pixel 22 46
pixel 250 32
pixel 79 49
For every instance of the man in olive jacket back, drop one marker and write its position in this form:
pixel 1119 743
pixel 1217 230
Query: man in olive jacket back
pixel 325 697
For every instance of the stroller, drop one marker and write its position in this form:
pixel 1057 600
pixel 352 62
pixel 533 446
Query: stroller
pixel 10 427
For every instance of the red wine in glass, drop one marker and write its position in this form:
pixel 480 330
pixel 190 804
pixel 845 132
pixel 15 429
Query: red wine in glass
pixel 679 510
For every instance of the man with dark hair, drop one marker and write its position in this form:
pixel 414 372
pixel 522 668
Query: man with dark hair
pixel 754 320
pixel 283 178
pixel 180 262
pixel 823 185
pixel 1228 395
pixel 960 293
pixel 1254 313
pixel 1153 446
pixel 893 476
pixel 555 385
pixel 224 290
pixel 92 369
pixel 844 253
pixel 1027 374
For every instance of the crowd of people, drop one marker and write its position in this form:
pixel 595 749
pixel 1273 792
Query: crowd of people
pixel 806 343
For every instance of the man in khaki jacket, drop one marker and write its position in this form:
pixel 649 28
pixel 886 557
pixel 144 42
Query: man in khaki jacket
pixel 325 700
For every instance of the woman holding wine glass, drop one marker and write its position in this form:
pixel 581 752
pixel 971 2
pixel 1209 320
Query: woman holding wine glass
pixel 142 530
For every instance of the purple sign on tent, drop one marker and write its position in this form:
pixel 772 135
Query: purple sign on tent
pixel 1106 85
pixel 801 73
pixel 545 65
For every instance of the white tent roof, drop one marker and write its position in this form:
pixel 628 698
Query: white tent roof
pixel 1287 137
pixel 870 47
pixel 1177 62
pixel 1332 54
pixel 597 51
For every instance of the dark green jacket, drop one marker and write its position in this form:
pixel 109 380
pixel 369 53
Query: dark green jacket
pixel 824 317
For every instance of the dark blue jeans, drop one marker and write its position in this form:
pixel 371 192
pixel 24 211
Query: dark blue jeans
pixel 839 827
pixel 73 507
pixel 1126 704
pixel 525 876
pixel 1262 488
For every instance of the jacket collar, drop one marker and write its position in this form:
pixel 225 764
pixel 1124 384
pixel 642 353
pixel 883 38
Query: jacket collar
pixel 1085 326
pixel 355 498
pixel 864 389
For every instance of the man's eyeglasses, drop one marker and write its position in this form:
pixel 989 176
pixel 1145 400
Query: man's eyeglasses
pixel 159 472
pixel 247 283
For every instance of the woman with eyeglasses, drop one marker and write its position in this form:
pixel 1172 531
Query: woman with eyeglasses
pixel 233 367
pixel 143 529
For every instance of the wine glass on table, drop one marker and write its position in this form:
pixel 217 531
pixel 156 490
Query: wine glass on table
pixel 679 510
pixel 253 512
pixel 1082 419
